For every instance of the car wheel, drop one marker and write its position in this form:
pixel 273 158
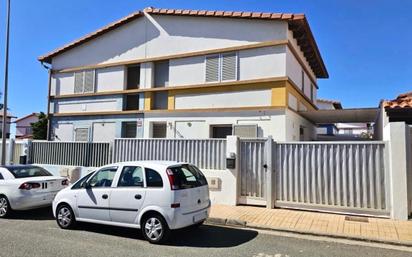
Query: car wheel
pixel 65 217
pixel 5 208
pixel 155 229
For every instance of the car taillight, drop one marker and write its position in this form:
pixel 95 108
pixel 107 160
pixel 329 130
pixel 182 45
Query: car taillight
pixel 172 180
pixel 65 182
pixel 29 186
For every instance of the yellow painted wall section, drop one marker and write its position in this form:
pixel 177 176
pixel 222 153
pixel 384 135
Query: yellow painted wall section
pixel 148 102
pixel 279 96
pixel 171 101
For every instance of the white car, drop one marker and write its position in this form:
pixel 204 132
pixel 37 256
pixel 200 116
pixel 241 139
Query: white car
pixel 154 196
pixel 25 187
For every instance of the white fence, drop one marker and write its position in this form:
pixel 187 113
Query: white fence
pixel 85 154
pixel 350 177
pixel 204 153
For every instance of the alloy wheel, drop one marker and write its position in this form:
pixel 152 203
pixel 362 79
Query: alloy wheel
pixel 64 217
pixel 153 229
pixel 4 207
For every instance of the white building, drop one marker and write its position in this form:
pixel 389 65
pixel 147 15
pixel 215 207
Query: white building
pixel 187 74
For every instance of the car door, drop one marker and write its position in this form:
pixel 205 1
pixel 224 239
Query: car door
pixel 93 200
pixel 128 195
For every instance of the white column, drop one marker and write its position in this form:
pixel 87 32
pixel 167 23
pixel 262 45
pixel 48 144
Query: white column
pixel 10 152
pixel 270 187
pixel 395 133
pixel 232 149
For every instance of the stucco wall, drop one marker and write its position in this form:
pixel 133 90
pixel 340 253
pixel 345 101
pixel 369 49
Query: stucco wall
pixel 293 123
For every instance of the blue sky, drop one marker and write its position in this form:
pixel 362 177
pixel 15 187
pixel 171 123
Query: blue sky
pixel 365 44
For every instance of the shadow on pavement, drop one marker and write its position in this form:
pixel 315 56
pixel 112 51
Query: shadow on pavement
pixel 204 236
pixel 36 214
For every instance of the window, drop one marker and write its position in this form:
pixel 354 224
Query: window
pixel 133 77
pixel 221 67
pixel 159 130
pixel 311 92
pixel 187 176
pixel 160 100
pixel 131 102
pixel 301 133
pixel 1 177
pixel 81 134
pixel 82 181
pixel 303 81
pixel 220 131
pixel 28 171
pixel 103 178
pixel 84 81
pixel 153 179
pixel 161 78
pixel 131 176
pixel 129 129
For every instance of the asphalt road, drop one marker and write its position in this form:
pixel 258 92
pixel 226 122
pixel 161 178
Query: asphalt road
pixel 35 233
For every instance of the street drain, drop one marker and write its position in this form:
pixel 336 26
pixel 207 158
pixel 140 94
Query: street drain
pixel 357 219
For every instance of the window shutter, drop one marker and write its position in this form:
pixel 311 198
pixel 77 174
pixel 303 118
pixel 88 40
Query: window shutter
pixel 249 131
pixel 81 134
pixel 159 130
pixel 89 81
pixel 212 68
pixel 229 66
pixel 130 130
pixel 78 82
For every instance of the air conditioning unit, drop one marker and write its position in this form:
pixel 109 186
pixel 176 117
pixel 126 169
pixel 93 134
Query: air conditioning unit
pixel 214 183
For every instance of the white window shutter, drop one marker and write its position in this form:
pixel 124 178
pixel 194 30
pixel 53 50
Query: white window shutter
pixel 248 131
pixel 81 134
pixel 89 81
pixel 229 66
pixel 212 68
pixel 78 82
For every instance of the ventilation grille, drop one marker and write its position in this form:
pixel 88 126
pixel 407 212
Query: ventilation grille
pixel 250 131
pixel 229 66
pixel 212 68
pixel 81 134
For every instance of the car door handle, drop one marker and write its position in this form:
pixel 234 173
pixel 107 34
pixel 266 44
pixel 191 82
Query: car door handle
pixel 105 196
pixel 138 197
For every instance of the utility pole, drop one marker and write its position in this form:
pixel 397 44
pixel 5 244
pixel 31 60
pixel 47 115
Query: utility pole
pixel 6 77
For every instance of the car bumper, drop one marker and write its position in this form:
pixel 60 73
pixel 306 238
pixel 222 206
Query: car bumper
pixel 27 202
pixel 182 220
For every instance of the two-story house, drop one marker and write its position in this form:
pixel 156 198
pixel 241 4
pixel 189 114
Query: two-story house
pixel 23 125
pixel 167 73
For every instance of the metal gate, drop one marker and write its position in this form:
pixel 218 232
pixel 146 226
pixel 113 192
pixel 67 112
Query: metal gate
pixel 252 171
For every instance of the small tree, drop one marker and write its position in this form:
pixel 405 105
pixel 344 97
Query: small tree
pixel 40 127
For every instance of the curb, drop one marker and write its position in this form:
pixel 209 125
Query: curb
pixel 241 223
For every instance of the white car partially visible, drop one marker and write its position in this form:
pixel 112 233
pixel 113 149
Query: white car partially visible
pixel 25 187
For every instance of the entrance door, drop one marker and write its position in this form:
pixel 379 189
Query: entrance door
pixel 93 201
pixel 252 171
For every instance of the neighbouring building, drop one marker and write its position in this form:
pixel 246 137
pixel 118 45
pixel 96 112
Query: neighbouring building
pixel 23 125
pixel 164 73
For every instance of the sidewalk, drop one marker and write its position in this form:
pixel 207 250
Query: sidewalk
pixel 370 229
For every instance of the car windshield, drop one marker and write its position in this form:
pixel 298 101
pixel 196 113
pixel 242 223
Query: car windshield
pixel 28 172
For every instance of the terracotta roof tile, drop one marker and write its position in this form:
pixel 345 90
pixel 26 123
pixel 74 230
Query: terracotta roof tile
pixel 402 101
pixel 296 22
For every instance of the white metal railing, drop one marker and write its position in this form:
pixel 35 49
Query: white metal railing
pixel 204 153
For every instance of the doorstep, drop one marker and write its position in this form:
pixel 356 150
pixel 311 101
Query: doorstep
pixel 314 223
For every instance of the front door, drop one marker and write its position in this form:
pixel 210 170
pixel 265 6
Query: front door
pixel 128 196
pixel 93 202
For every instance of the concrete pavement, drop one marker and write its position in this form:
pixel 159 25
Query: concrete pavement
pixel 369 229
pixel 35 233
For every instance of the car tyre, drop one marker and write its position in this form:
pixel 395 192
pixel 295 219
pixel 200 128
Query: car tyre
pixel 65 217
pixel 155 229
pixel 5 208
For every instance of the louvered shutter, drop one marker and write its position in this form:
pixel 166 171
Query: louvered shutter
pixel 229 66
pixel 212 68
pixel 81 134
pixel 245 131
pixel 159 130
pixel 78 82
pixel 130 129
pixel 89 81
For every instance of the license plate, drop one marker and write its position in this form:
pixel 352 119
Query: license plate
pixel 199 217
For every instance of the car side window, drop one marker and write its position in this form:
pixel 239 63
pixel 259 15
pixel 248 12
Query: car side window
pixel 153 178
pixel 132 176
pixel 80 184
pixel 1 176
pixel 103 178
